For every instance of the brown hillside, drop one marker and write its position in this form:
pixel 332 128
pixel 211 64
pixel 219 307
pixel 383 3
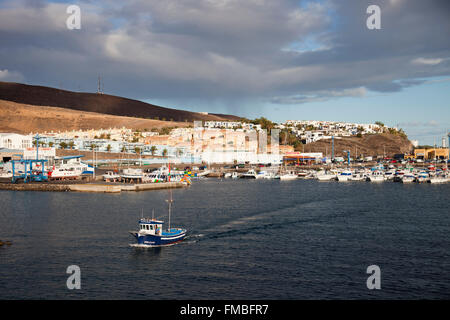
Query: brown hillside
pixel 100 103
pixel 367 145
pixel 22 118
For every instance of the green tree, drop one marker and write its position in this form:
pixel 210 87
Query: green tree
pixel 137 150
pixel 164 153
pixel 71 144
pixel 153 150
pixel 63 145
pixel 50 144
pixel 265 123
pixel 108 148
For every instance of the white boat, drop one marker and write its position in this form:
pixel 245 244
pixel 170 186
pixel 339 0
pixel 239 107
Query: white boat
pixel 389 175
pixel 132 173
pixel 262 174
pixel 423 176
pixel 302 174
pixel 111 176
pixel 235 175
pixel 227 175
pixel 358 176
pixel 325 176
pixel 344 176
pixel 376 176
pixel 270 175
pixel 203 173
pixel 5 174
pixel 439 179
pixel 288 176
pixel 250 174
pixel 408 178
pixel 69 168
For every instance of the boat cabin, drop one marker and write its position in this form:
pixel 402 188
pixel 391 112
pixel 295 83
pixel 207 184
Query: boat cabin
pixel 150 226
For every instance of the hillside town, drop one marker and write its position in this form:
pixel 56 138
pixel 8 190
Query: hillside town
pixel 204 142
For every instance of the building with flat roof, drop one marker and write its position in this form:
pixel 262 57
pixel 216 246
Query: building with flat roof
pixel 431 154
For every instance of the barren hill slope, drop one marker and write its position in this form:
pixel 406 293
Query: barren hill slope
pixel 100 103
pixel 367 145
pixel 22 118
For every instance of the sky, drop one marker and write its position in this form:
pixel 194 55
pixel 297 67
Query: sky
pixel 284 59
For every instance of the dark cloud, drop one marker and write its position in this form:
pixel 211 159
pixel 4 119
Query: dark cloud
pixel 223 51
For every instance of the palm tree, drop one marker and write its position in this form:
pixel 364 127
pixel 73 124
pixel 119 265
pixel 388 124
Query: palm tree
pixel 93 146
pixel 108 148
pixel 71 144
pixel 63 145
pixel 153 150
pixel 50 144
pixel 137 150
pixel 164 153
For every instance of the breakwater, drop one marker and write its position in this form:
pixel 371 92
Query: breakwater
pixel 90 187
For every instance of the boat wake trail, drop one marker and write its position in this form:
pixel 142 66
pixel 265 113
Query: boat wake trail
pixel 314 212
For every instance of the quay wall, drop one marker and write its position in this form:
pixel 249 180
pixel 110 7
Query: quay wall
pixel 89 187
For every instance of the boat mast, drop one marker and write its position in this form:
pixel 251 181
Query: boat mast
pixel 169 201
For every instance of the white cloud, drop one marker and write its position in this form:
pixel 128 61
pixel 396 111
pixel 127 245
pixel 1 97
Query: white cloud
pixel 320 96
pixel 427 61
pixel 12 76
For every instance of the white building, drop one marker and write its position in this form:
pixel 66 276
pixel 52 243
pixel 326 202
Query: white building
pixel 15 141
pixel 43 153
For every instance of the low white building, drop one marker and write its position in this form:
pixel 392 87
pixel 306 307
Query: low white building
pixel 15 141
pixel 43 153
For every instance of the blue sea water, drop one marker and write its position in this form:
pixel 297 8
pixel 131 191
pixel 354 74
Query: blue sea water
pixel 264 239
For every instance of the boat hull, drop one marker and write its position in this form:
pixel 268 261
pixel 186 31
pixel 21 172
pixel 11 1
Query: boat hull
pixel 166 239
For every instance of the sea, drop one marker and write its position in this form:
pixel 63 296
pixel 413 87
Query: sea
pixel 247 239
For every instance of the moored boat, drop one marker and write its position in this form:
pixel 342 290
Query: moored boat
pixel 376 176
pixel 250 174
pixel 288 176
pixel 344 176
pixel 408 178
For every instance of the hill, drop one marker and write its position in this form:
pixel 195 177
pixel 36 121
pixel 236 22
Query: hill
pixel 99 103
pixel 23 118
pixel 367 145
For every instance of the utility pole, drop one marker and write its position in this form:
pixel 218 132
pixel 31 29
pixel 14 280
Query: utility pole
pixel 332 147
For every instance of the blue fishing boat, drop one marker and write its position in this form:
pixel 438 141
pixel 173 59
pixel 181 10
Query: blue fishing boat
pixel 151 233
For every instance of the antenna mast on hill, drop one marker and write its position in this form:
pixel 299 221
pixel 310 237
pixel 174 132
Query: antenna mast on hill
pixel 99 85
